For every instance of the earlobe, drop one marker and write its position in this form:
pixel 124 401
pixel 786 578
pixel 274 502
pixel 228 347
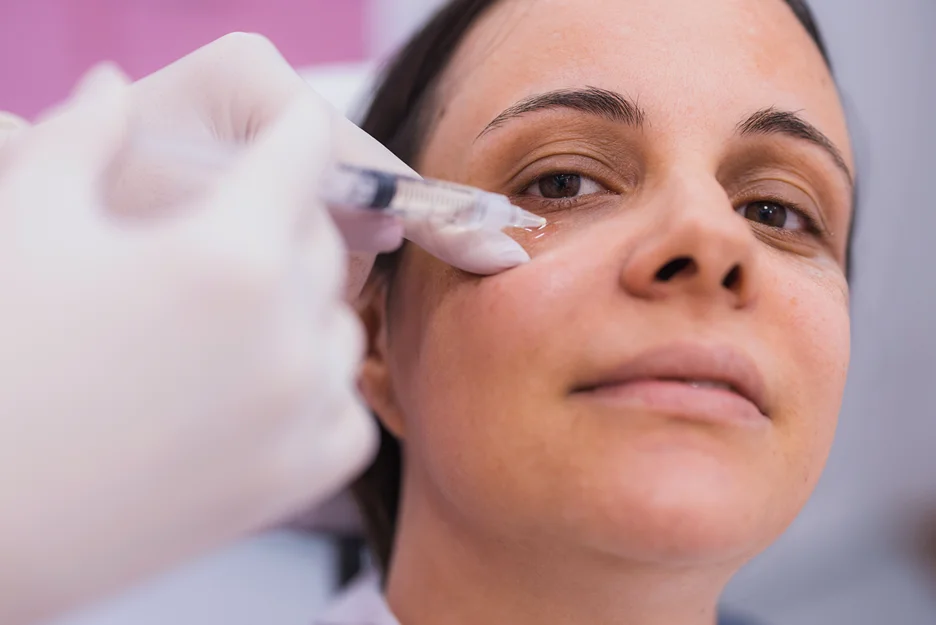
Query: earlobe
pixel 375 380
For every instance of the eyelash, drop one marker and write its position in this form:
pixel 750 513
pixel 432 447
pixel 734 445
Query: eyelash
pixel 561 203
pixel 811 225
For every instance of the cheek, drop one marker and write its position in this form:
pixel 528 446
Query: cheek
pixel 480 367
pixel 813 346
pixel 511 327
pixel 492 338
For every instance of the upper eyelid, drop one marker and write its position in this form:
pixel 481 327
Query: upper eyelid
pixel 524 147
pixel 756 185
pixel 540 177
pixel 605 175
pixel 785 161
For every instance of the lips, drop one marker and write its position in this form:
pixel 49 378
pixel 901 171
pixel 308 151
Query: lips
pixel 706 371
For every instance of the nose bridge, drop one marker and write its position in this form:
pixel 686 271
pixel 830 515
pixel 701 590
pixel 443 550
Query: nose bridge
pixel 699 245
pixel 703 223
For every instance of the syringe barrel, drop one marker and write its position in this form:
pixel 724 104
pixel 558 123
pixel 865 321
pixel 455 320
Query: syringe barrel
pixel 408 197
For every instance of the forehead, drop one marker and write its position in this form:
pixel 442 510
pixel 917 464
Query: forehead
pixel 689 63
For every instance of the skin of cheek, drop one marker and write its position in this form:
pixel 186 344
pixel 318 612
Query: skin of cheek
pixel 815 299
pixel 483 369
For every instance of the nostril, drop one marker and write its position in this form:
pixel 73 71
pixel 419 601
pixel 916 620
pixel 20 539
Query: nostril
pixel 674 267
pixel 733 279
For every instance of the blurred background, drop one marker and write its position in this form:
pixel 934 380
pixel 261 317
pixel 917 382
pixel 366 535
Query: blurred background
pixel 862 552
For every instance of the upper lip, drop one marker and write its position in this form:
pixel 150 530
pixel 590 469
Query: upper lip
pixel 687 361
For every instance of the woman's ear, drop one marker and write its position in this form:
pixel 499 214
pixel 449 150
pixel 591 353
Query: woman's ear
pixel 375 379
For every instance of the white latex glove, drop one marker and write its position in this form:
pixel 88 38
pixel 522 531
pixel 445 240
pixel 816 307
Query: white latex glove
pixel 169 384
pixel 231 90
pixel 175 381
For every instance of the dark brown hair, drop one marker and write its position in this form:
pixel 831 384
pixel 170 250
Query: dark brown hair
pixel 398 117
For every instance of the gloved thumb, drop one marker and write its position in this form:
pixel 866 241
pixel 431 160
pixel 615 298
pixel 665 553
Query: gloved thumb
pixel 102 76
pixel 92 84
pixel 483 252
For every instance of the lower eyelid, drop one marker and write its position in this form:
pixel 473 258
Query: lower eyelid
pixel 543 205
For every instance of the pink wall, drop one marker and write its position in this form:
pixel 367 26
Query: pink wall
pixel 46 45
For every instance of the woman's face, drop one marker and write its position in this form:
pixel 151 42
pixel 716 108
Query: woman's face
pixel 662 380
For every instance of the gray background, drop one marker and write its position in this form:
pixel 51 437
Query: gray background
pixel 852 556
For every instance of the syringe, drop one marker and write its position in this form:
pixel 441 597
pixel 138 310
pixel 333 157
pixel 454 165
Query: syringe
pixel 351 188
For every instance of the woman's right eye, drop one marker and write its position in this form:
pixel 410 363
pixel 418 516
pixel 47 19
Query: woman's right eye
pixel 563 186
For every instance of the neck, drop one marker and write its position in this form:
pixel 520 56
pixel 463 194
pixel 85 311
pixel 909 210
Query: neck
pixel 443 574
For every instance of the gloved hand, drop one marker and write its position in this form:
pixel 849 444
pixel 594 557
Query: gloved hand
pixel 172 383
pixel 231 90
pixel 174 379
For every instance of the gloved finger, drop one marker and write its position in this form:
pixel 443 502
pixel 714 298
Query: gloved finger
pixel 482 252
pixel 272 186
pixel 336 436
pixel 323 262
pixel 340 336
pixel 369 232
pixel 232 90
pixel 326 454
pixel 240 85
pixel 99 76
pixel 265 205
pixel 64 159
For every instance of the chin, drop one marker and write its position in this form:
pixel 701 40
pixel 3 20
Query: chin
pixel 687 509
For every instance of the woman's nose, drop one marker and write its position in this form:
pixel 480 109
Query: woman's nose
pixel 701 251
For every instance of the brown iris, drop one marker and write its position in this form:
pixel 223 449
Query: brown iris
pixel 558 186
pixel 767 213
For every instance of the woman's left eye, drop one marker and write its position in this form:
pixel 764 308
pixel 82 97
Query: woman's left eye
pixel 773 214
pixel 563 186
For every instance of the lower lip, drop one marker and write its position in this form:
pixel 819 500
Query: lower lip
pixel 679 399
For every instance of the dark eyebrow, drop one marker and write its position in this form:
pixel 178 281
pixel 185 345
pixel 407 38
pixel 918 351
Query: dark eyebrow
pixel 591 100
pixel 774 121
